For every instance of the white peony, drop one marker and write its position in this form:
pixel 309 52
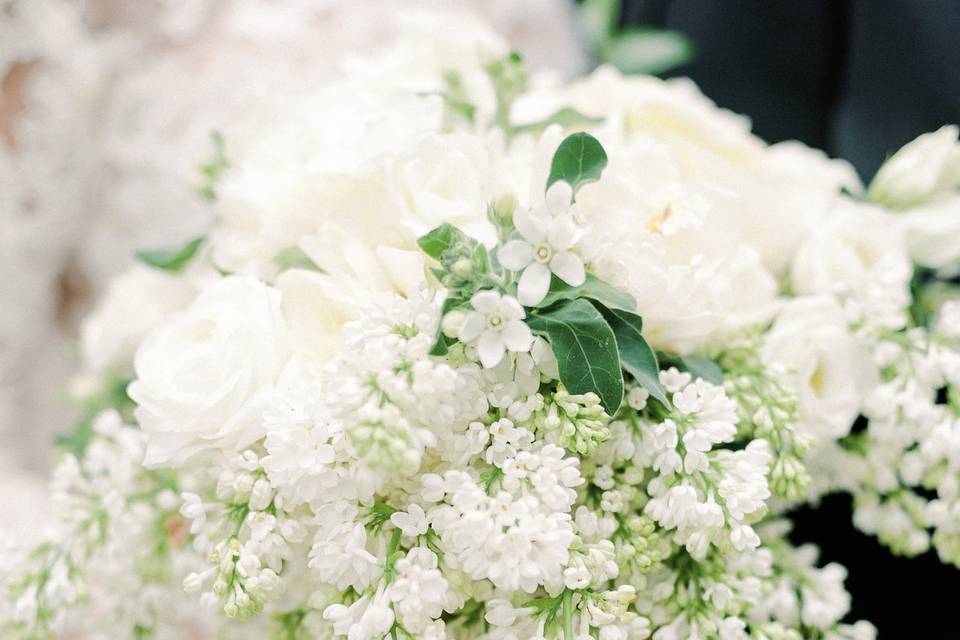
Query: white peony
pixel 674 244
pixel 204 378
pixel 830 368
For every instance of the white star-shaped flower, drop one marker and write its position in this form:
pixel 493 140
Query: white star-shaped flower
pixel 549 235
pixel 496 325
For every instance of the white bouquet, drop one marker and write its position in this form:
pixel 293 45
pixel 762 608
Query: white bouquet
pixel 472 356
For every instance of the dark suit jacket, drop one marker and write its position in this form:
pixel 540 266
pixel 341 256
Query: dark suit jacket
pixel 858 78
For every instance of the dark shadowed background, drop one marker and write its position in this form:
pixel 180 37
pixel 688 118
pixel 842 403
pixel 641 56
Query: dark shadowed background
pixel 858 78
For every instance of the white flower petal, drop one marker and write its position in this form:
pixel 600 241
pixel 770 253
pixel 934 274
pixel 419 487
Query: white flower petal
pixel 515 255
pixel 558 197
pixel 569 268
pixel 472 327
pixel 532 227
pixel 511 309
pixel 534 284
pixel 485 301
pixel 490 348
pixel 563 233
pixel 516 336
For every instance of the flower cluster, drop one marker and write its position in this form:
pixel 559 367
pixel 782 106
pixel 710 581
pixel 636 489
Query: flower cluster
pixel 520 363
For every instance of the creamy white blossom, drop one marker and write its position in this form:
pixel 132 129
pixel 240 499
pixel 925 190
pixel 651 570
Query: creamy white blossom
pixel 496 326
pixel 361 416
pixel 548 236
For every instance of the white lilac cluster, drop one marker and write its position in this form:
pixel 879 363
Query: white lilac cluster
pixel 84 143
pixel 470 356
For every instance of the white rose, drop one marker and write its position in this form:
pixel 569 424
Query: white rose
pixel 831 369
pixel 336 169
pixel 857 254
pixel 708 140
pixel 920 171
pixel 133 304
pixel 782 195
pixel 358 263
pixel 444 179
pixel 204 378
pixel 933 233
pixel 315 307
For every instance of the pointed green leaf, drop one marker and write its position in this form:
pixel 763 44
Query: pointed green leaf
pixel 579 159
pixel 585 348
pixel 599 19
pixel 293 257
pixel 593 288
pixel 636 356
pixel 649 51
pixel 439 240
pixel 697 366
pixel 566 118
pixel 171 260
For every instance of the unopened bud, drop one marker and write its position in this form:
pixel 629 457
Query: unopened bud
pixel 463 268
pixel 452 322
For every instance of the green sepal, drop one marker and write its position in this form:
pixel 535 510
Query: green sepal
pixel 293 257
pixel 565 117
pixel 171 259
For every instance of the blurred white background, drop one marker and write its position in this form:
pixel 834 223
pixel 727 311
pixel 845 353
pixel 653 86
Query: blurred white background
pixel 106 110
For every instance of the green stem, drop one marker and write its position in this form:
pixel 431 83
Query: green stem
pixel 568 615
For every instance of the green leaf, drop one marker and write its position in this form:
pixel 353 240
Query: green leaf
pixel 466 109
pixel 636 356
pixel 599 19
pixel 112 395
pixel 293 257
pixel 585 348
pixel 171 260
pixel 439 240
pixel 650 51
pixel 697 366
pixel 465 263
pixel 508 75
pixel 579 159
pixel 593 288
pixel 566 118
pixel 212 170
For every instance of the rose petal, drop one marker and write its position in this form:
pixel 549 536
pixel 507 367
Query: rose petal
pixel 516 336
pixel 534 284
pixel 515 255
pixel 472 327
pixel 530 226
pixel 569 268
pixel 490 348
pixel 485 301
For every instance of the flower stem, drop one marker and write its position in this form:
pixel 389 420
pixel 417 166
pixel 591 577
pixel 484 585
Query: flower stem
pixel 568 615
